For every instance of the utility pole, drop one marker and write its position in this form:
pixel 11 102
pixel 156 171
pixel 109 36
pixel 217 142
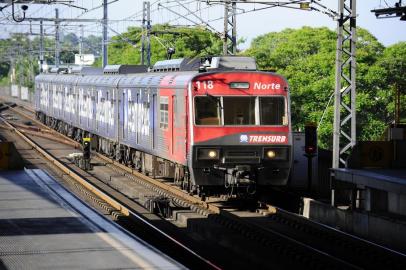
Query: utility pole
pixel 41 47
pixel 344 134
pixel 230 28
pixel 105 56
pixel 81 45
pixel 146 33
pixel 57 41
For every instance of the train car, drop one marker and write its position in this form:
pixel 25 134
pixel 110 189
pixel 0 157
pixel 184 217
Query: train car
pixel 213 125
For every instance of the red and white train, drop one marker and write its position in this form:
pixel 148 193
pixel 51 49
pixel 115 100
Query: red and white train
pixel 215 124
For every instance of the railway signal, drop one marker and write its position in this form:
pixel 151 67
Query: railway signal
pixel 310 150
pixel 311 139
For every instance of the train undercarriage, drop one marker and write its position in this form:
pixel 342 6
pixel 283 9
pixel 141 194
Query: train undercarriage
pixel 239 181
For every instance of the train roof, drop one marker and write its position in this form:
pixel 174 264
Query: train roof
pixel 211 63
pixel 168 73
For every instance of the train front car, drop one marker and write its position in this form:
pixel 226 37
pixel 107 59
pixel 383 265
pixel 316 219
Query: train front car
pixel 240 131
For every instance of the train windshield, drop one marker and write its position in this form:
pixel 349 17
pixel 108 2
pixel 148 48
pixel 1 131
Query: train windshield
pixel 240 111
pixel 272 111
pixel 207 109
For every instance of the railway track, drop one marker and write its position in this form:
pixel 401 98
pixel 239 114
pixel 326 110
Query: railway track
pixel 269 237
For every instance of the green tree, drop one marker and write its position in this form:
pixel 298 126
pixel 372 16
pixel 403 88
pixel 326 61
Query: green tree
pixel 188 42
pixel 306 57
pixel 388 76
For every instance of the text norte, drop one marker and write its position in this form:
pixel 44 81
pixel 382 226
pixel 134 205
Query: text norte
pixel 266 86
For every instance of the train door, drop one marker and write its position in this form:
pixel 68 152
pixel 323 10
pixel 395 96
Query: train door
pixel 90 101
pixel 178 121
pixel 51 98
pixel 164 133
pixel 172 130
pixel 97 109
pixel 137 117
pixel 92 109
pixel 153 126
pixel 144 119
pixel 75 119
pixel 124 113
pixel 106 118
pixel 81 105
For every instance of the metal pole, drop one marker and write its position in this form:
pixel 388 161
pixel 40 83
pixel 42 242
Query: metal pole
pixel 337 91
pixel 57 41
pixel 309 173
pixel 143 33
pixel 225 38
pixel 344 134
pixel 230 28
pixel 353 59
pixel 148 34
pixel 41 47
pixel 397 105
pixel 234 30
pixel 81 45
pixel 105 56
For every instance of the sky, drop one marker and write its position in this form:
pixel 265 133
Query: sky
pixel 249 24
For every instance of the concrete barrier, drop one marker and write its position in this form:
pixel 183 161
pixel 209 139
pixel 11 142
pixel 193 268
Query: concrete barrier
pixel 15 90
pixel 384 230
pixel 24 93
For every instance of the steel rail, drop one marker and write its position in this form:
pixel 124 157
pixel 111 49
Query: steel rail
pixel 102 195
pixel 176 192
pixel 186 197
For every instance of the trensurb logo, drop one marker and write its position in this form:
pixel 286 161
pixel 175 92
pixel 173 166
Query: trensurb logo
pixel 244 138
pixel 268 139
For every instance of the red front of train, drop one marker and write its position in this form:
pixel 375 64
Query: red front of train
pixel 239 129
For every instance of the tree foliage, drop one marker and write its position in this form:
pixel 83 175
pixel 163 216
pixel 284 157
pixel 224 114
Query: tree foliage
pixel 22 53
pixel 306 57
pixel 188 42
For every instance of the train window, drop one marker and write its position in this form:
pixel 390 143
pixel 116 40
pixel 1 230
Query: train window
pixel 207 109
pixel 239 110
pixel 163 119
pixel 272 111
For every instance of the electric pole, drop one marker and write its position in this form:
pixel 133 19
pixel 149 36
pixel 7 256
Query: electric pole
pixel 41 47
pixel 57 41
pixel 344 134
pixel 81 45
pixel 105 56
pixel 146 33
pixel 230 28
pixel 57 44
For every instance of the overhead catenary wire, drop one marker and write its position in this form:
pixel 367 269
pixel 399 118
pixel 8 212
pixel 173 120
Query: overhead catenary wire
pixel 181 12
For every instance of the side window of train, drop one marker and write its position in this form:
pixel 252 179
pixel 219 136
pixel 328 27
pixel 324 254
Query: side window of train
pixel 163 108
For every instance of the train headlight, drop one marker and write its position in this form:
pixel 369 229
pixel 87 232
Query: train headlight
pixel 276 153
pixel 212 154
pixel 208 154
pixel 271 154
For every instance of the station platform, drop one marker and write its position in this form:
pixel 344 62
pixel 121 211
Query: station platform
pixel 43 226
pixel 381 190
